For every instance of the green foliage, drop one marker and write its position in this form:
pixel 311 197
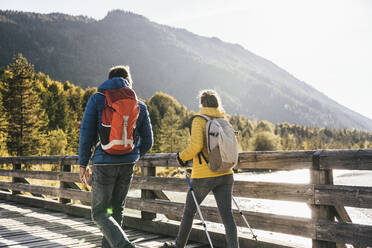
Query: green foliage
pixel 172 137
pixel 55 104
pixel 38 115
pixel 265 141
pixel 169 121
pixel 245 130
pixel 264 126
pixel 3 125
pixel 22 106
pixel 56 142
pixel 87 94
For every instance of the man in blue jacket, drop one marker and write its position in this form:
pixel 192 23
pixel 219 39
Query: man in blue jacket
pixel 112 174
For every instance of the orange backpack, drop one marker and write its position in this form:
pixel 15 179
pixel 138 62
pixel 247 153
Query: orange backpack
pixel 120 113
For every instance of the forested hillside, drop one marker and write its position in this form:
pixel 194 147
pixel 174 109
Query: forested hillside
pixel 41 116
pixel 174 61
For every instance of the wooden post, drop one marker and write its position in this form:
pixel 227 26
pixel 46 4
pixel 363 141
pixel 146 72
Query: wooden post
pixel 148 194
pixel 320 212
pixel 64 185
pixel 16 179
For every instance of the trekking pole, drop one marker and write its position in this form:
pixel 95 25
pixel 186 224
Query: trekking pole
pixel 245 220
pixel 197 207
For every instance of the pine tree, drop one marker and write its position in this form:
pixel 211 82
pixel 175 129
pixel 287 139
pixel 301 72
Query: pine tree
pixel 3 124
pixel 172 138
pixel 75 113
pixel 22 106
pixel 56 107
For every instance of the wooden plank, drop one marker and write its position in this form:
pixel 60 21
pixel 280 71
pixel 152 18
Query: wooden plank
pixel 274 191
pixel 158 159
pixel 326 230
pixel 198 234
pixel 60 236
pixel 360 159
pixel 357 235
pixel 320 212
pixel 40 160
pixel 323 230
pixel 262 190
pixel 64 185
pixel 75 210
pixel 148 194
pixel 81 233
pixel 16 167
pixel 44 190
pixel 31 226
pixel 43 175
pixel 270 222
pixel 330 159
pixel 162 196
pixel 352 196
pixel 22 180
pixel 283 160
pixel 339 210
pixel 37 228
pixel 159 183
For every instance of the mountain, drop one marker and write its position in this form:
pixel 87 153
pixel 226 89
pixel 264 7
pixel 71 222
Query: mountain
pixel 175 61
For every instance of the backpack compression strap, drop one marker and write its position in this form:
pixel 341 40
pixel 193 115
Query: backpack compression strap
pixel 200 154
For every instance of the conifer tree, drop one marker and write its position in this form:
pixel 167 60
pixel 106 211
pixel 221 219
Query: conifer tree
pixel 75 113
pixel 56 107
pixel 22 106
pixel 3 149
pixel 172 138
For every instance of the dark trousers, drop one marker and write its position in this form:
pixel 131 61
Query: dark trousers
pixel 110 185
pixel 222 191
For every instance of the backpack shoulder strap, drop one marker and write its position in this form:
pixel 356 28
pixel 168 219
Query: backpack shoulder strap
pixel 198 115
pixel 101 92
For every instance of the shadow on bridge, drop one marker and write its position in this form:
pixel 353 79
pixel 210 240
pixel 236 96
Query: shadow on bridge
pixel 31 227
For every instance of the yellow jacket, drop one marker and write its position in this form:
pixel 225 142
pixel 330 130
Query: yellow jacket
pixel 198 143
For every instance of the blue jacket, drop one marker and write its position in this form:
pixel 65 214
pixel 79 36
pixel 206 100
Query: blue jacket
pixel 92 120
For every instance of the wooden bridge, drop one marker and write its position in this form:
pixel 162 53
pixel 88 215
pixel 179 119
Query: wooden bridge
pixel 46 216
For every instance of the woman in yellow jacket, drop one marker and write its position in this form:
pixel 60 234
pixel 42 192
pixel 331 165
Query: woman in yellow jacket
pixel 203 179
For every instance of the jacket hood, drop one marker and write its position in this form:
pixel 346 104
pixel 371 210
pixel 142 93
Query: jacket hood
pixel 213 112
pixel 114 83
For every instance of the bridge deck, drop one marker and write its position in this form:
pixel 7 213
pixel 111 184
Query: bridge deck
pixel 25 226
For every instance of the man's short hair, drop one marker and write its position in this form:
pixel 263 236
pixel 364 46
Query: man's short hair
pixel 120 71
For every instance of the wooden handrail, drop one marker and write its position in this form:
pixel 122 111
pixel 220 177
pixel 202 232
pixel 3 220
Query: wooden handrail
pixel 357 159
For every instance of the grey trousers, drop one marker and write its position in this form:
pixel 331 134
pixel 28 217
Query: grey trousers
pixel 222 190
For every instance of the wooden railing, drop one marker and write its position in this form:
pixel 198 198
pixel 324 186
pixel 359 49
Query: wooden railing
pixel 329 223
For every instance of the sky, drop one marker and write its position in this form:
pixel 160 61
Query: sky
pixel 325 43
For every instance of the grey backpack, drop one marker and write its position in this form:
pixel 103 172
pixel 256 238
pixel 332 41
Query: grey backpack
pixel 222 144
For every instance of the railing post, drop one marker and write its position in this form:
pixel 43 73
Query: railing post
pixel 320 212
pixel 148 194
pixel 64 185
pixel 16 179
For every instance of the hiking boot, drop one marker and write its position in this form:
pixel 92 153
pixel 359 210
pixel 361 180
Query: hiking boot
pixel 169 245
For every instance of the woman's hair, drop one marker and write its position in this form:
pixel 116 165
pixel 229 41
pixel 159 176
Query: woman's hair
pixel 210 98
pixel 120 71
